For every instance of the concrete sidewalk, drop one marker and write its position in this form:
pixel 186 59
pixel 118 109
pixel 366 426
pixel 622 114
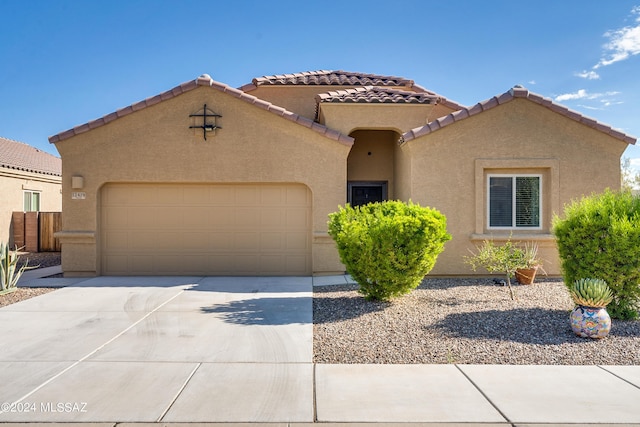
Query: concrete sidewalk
pixel 239 350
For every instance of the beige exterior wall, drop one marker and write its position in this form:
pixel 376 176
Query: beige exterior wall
pixel 13 183
pixel 347 118
pixel 155 145
pixel 516 137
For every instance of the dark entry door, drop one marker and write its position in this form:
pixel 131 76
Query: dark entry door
pixel 361 193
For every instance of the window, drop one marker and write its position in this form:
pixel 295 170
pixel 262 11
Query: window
pixel 31 201
pixel 514 201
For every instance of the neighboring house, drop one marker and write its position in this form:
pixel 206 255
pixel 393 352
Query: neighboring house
pixel 207 179
pixel 30 180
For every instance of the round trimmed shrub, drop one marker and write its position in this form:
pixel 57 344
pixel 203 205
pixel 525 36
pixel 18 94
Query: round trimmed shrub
pixel 599 237
pixel 388 247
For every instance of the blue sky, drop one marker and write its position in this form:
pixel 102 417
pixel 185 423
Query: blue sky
pixel 65 62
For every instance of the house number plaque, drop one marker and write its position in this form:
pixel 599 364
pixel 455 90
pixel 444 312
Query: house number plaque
pixel 78 195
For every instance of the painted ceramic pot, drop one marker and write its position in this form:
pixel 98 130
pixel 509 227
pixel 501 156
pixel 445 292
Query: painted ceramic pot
pixel 590 322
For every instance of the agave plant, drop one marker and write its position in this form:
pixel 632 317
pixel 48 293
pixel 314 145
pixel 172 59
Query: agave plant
pixel 9 271
pixel 591 293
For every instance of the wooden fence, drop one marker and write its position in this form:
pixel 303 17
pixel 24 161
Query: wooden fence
pixel 34 231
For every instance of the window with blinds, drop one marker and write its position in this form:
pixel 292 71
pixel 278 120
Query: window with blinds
pixel 514 201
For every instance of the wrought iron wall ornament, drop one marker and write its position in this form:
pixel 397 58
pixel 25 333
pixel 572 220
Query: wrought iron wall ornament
pixel 208 122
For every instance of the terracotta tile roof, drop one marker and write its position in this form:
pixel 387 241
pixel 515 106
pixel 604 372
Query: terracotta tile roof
pixel 442 100
pixel 204 80
pixel 333 78
pixel 516 92
pixel 376 95
pixel 344 78
pixel 20 156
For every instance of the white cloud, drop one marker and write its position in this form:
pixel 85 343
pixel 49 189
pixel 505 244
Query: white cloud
pixel 610 102
pixel 589 75
pixel 583 94
pixel 569 96
pixel 589 107
pixel 623 43
pixel 531 82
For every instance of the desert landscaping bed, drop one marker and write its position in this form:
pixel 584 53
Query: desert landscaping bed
pixel 465 321
pixel 39 259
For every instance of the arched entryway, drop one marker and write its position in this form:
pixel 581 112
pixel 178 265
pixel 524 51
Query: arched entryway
pixel 371 166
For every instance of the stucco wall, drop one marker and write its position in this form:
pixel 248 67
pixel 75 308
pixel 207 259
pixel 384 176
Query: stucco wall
pixel 155 144
pixel 13 183
pixel 449 167
pixel 346 117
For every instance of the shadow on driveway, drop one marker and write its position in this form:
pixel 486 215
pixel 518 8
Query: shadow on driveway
pixel 264 311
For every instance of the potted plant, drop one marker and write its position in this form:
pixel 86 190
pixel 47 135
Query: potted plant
pixel 526 274
pixel 505 259
pixel 590 319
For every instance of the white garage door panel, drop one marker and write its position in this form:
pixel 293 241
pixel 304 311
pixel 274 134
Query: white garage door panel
pixel 162 229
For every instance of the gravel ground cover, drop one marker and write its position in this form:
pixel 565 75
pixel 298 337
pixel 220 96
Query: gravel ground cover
pixel 40 259
pixel 465 321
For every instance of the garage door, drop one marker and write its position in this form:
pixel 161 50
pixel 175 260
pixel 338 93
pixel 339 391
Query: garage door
pixel 193 229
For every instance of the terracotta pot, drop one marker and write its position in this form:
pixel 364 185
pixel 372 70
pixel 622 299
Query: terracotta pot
pixel 525 276
pixel 590 322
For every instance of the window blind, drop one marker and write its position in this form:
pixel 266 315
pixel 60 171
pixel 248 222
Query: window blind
pixel 500 201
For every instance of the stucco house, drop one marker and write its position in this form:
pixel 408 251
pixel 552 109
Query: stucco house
pixel 30 180
pixel 206 179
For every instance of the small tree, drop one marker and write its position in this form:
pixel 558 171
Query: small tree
pixel 630 178
pixel 388 247
pixel 505 259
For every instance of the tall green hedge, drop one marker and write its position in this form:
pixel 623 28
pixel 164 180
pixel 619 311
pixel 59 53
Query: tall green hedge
pixel 599 237
pixel 388 247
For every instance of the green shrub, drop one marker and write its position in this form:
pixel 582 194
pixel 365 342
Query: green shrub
pixel 388 247
pixel 599 237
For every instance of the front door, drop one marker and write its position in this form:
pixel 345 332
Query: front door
pixel 361 193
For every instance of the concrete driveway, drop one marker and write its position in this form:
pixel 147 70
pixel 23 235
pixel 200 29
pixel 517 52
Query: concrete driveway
pixel 160 349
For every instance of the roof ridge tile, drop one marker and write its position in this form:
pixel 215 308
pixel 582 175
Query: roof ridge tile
pixel 516 92
pixel 376 94
pixel 203 80
pixel 328 77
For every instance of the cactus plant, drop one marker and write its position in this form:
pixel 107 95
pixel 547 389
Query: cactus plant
pixel 9 271
pixel 590 318
pixel 591 293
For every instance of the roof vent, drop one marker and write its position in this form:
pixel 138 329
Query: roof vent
pixel 518 87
